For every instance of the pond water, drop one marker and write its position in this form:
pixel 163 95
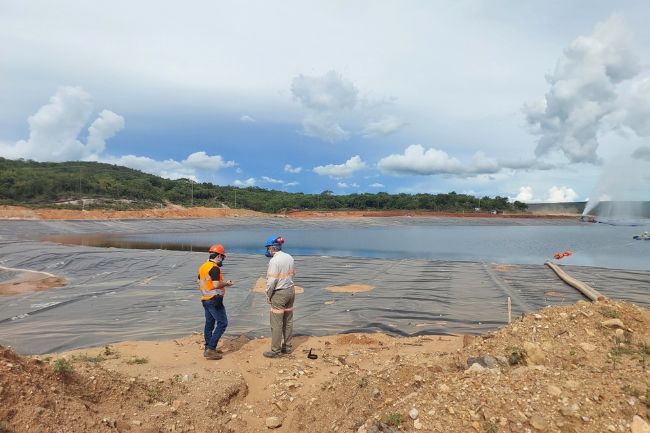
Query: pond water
pixel 530 242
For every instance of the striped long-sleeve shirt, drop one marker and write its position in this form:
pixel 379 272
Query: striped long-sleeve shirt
pixel 280 273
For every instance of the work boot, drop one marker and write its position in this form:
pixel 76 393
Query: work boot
pixel 212 354
pixel 286 350
pixel 219 351
pixel 271 354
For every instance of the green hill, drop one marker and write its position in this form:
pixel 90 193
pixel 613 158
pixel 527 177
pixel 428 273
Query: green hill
pixel 110 186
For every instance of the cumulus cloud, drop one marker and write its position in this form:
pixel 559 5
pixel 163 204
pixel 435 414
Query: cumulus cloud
pixel 376 185
pixel 347 169
pixel 331 102
pixel 203 161
pixel 292 184
pixel 246 183
pixel 418 160
pixel 104 127
pixel 525 194
pixel 347 185
pixel 54 129
pixel 247 119
pixel 291 169
pixel 325 93
pixel 483 164
pixel 384 126
pixel 558 194
pixel 637 107
pixel 324 126
pixel 642 152
pixel 169 168
pixel 584 90
pixel 271 180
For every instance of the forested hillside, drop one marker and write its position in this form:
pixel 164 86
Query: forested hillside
pixel 65 184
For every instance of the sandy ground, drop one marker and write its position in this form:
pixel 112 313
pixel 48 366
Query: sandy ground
pixel 26 281
pixel 581 368
pixel 18 212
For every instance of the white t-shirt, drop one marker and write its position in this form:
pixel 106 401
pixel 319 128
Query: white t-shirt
pixel 280 273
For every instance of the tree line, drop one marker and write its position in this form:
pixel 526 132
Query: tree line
pixel 26 182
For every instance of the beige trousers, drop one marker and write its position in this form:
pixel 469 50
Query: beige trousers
pixel 282 319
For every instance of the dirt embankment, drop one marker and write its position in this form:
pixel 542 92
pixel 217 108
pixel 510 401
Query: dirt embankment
pixel 17 212
pixel 578 368
pixel 23 213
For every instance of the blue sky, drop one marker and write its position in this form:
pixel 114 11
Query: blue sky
pixel 536 101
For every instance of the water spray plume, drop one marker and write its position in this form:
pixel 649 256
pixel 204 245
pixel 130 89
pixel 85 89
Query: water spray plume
pixel 619 192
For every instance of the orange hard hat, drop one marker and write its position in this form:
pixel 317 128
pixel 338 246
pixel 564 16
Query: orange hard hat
pixel 217 248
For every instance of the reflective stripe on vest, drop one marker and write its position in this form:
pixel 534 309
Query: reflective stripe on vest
pixel 206 286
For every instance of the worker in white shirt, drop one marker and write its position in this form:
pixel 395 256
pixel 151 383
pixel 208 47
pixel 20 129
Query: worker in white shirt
pixel 280 293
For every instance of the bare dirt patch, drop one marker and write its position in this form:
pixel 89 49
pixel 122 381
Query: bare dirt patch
pixel 350 288
pixel 260 286
pixel 17 212
pixel 28 282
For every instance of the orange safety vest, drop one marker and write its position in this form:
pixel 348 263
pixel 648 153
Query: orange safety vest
pixel 205 281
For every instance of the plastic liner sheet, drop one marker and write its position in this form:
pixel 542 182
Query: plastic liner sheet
pixel 118 294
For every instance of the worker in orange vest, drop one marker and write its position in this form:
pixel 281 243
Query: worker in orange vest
pixel 213 289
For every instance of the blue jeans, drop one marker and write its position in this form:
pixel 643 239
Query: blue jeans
pixel 215 312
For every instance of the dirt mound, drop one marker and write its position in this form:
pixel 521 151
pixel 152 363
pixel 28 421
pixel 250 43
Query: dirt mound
pixel 582 368
pixel 75 394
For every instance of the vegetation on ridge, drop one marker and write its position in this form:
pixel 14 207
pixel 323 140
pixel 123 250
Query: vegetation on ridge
pixel 66 183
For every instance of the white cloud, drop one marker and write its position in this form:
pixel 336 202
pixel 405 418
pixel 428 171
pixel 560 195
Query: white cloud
pixel 483 164
pixel 347 169
pixel 292 184
pixel 54 129
pixel 384 126
pixel 557 194
pixel 323 126
pixel 525 194
pixel 417 160
pixel 347 185
pixel 637 107
pixel 271 180
pixel 56 126
pixel 324 93
pixel 104 127
pixel 376 185
pixel 246 183
pixel 168 168
pixel 291 169
pixel 583 92
pixel 247 119
pixel 202 161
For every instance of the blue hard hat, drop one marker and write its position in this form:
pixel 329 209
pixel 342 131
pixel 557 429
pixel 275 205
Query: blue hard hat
pixel 275 241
